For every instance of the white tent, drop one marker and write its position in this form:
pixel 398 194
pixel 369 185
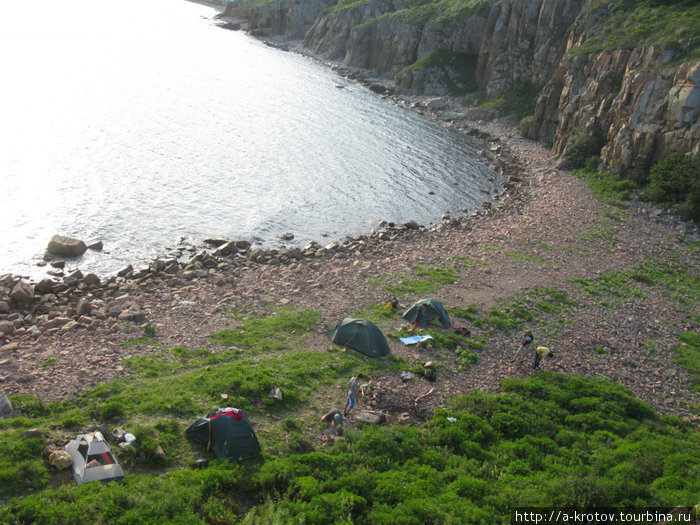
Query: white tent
pixel 93 459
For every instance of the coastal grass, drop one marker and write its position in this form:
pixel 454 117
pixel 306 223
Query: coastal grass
pixel 158 407
pixel 672 277
pixel 626 24
pixel 276 332
pixel 551 439
pixel 378 313
pixel 606 186
pixel 465 348
pixel 687 353
pixel 422 280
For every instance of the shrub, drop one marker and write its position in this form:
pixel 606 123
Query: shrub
pixel 584 147
pixel 675 181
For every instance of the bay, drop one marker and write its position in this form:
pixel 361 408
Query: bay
pixel 144 125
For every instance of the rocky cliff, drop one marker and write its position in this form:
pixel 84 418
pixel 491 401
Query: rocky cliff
pixel 632 105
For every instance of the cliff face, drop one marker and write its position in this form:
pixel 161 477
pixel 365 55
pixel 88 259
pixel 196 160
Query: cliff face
pixel 523 41
pixel 636 102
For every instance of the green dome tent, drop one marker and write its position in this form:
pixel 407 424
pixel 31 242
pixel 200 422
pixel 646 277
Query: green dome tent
pixel 227 433
pixel 361 335
pixel 433 309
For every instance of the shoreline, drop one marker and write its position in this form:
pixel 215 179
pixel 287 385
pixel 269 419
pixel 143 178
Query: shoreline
pixel 538 223
pixel 547 233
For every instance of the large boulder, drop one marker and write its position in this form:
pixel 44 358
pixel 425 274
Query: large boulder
pixel 66 246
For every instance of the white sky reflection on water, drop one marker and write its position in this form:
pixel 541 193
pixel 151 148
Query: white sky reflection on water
pixel 140 122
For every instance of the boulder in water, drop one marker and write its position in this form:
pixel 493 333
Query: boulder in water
pixel 66 246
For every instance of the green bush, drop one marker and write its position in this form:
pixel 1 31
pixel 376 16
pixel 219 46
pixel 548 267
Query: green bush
pixel 581 148
pixel 518 101
pixel 675 181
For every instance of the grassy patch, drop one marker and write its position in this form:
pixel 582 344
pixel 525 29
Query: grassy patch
pixel 525 257
pixel 625 24
pixel 428 280
pixel 687 353
pixel 378 313
pixel 602 233
pixel 608 187
pixel 615 284
pixel 276 332
pixel 532 306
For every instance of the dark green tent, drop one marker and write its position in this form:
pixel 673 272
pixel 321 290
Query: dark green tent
pixel 433 310
pixel 361 335
pixel 227 433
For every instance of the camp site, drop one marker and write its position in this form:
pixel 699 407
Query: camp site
pixel 432 347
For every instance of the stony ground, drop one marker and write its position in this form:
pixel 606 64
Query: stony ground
pixel 548 231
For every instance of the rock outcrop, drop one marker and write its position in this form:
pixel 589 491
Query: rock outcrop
pixel 635 105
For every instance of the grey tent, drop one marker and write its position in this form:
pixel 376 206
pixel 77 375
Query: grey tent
pixel 433 311
pixel 93 459
pixel 361 335
pixel 227 433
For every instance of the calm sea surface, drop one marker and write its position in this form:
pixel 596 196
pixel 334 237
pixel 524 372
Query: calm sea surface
pixel 140 123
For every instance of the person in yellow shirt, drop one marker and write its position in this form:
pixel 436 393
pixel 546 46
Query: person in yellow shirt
pixel 542 351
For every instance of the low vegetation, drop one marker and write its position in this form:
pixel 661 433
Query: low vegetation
pixel 458 70
pixel 675 183
pixel 552 439
pixel 625 24
pixel 519 101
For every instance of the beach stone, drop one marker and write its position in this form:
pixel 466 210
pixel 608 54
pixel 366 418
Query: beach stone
pixel 7 327
pixel 66 246
pixel 5 406
pixel 44 286
pixel 215 242
pixel 22 293
pixel 96 246
pixel 228 248
pixel 91 279
pixel 124 272
pixel 134 315
pixel 4 307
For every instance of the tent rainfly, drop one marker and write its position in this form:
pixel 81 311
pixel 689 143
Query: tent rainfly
pixel 433 310
pixel 227 433
pixel 93 459
pixel 361 335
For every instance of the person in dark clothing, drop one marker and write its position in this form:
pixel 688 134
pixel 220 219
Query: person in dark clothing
pixel 524 343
